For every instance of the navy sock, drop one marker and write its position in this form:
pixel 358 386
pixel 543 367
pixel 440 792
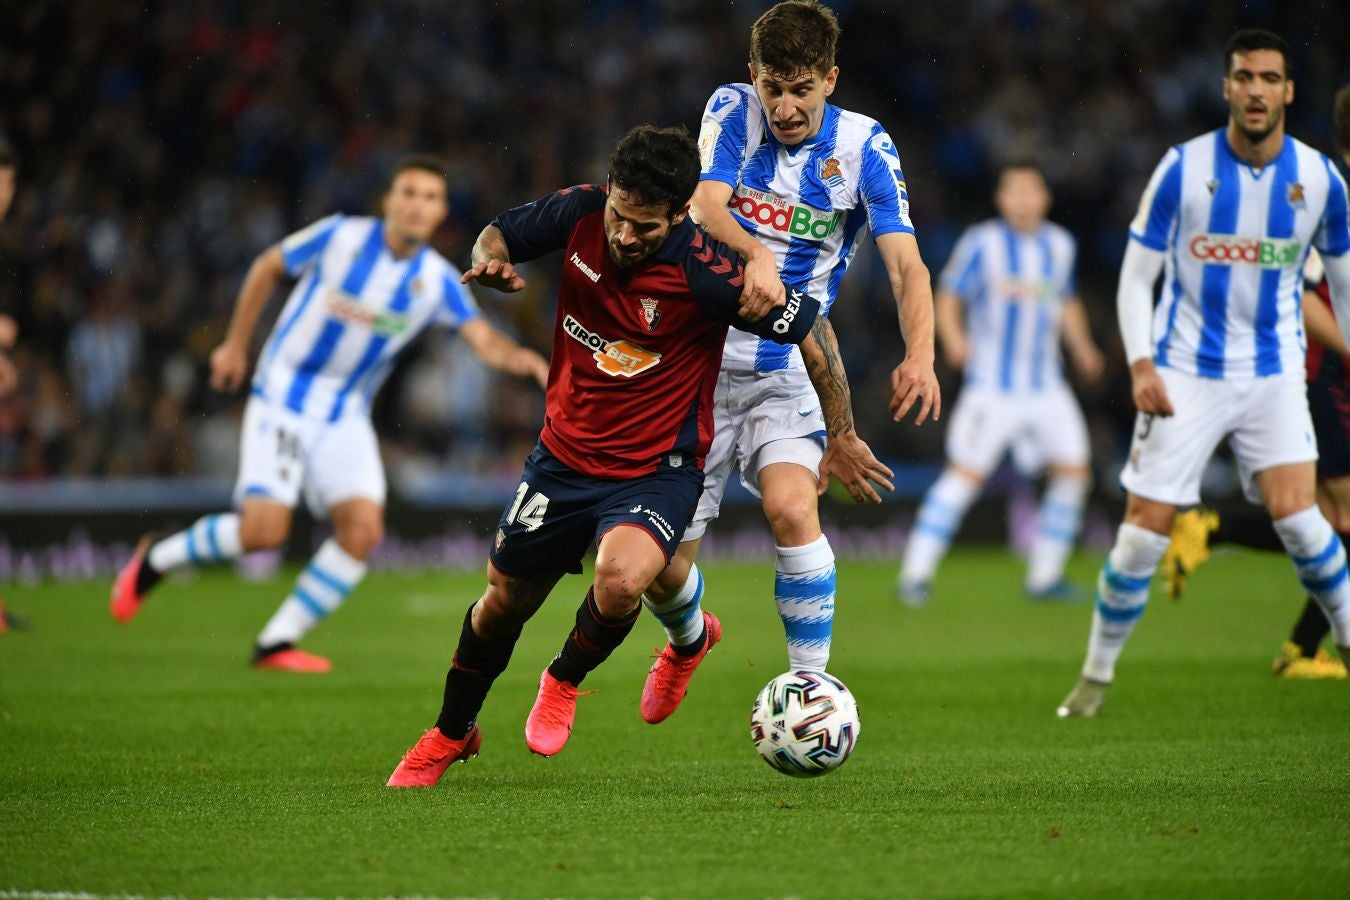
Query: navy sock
pixel 477 663
pixel 1312 629
pixel 591 641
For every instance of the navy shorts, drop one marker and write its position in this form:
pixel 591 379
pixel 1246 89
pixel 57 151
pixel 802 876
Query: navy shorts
pixel 557 513
pixel 1329 403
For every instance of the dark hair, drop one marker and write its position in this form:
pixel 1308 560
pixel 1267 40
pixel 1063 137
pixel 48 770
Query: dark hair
pixel 1248 39
pixel 7 158
pixel 793 37
pixel 657 165
pixel 1340 119
pixel 422 162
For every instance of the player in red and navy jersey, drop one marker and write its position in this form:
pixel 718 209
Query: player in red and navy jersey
pixel 643 309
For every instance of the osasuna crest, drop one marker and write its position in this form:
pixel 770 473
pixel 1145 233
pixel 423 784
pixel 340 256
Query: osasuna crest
pixel 650 314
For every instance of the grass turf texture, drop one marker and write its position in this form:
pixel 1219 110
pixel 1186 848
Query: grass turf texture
pixel 150 760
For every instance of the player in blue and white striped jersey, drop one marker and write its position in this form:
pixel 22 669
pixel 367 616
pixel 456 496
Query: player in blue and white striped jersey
pixel 790 181
pixel 367 287
pixel 1228 218
pixel 1014 278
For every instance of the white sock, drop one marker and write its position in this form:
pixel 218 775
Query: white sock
pixel 1319 559
pixel 1057 525
pixel 803 587
pixel 940 515
pixel 1122 594
pixel 682 614
pixel 330 576
pixel 210 539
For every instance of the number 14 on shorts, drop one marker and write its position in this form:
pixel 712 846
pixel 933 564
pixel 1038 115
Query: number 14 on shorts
pixel 527 512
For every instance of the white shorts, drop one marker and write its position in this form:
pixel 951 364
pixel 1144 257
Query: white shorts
pixel 759 418
pixel 1266 421
pixel 1042 428
pixel 284 453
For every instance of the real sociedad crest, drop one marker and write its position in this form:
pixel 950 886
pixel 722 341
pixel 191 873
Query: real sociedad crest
pixel 1296 198
pixel 829 172
pixel 650 314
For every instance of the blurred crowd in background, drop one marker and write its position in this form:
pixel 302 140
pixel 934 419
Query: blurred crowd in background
pixel 162 145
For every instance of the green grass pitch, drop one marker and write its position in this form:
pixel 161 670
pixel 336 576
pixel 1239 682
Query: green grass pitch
pixel 150 760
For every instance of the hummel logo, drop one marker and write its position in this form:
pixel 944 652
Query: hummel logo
pixel 586 270
pixel 721 102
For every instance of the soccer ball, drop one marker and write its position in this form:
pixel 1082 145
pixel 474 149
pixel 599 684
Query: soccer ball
pixel 805 724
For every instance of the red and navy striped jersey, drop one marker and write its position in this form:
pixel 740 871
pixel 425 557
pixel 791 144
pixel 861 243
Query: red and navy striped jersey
pixel 636 350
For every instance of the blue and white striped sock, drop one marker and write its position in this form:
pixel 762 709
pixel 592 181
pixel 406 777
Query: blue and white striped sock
pixel 1057 525
pixel 803 587
pixel 1122 594
pixel 682 614
pixel 330 576
pixel 940 515
pixel 1319 559
pixel 211 539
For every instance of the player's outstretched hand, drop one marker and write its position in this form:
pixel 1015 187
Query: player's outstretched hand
pixel 494 273
pixel 229 366
pixel 849 459
pixel 913 382
pixel 763 291
pixel 1150 394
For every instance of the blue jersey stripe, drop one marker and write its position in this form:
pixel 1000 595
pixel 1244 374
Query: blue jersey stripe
pixel 400 302
pixel 297 257
pixel 285 328
pixel 352 284
pixel 1223 215
pixel 1279 224
pixel 852 225
pixel 1043 321
pixel 1012 313
pixel 799 262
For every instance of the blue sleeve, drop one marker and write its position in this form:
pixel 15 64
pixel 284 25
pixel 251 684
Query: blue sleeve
pixel 545 225
pixel 301 249
pixel 716 276
pixel 1152 225
pixel 1333 235
pixel 883 188
pixel 963 272
pixel 723 134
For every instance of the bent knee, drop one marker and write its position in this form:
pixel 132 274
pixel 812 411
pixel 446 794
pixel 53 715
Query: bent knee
pixel 263 534
pixel 358 539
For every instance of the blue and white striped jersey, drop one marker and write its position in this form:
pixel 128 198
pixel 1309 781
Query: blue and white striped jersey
pixel 353 310
pixel 807 203
pixel 1013 287
pixel 1236 238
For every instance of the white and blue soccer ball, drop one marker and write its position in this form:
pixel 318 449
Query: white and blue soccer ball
pixel 805 724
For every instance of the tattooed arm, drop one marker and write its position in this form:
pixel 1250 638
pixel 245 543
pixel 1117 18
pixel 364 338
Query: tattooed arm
pixel 847 456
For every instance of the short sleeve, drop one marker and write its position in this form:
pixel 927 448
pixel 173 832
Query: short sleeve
pixel 962 274
pixel 1333 234
pixel 545 225
pixel 882 186
pixel 457 303
pixel 724 133
pixel 1152 225
pixel 303 248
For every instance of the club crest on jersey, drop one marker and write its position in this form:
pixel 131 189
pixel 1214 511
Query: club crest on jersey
pixel 829 172
pixel 1296 198
pixel 650 315
pixel 617 358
